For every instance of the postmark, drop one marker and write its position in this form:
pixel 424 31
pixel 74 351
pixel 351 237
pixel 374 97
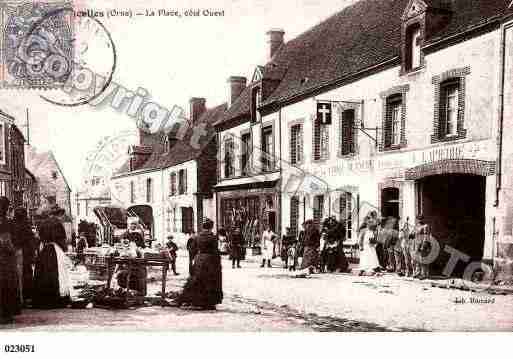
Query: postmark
pixel 93 64
pixel 35 54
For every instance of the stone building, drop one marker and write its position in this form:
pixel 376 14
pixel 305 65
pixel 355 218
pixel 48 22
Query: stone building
pixel 392 105
pixel 54 189
pixel 31 196
pixel 169 178
pixel 12 160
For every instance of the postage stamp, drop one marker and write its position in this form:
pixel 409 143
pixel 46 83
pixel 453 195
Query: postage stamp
pixel 36 44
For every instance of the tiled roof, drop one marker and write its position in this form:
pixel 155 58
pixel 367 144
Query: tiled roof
pixel 359 37
pixel 183 150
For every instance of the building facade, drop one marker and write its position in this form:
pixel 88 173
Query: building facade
pixel 31 196
pixel 54 189
pixel 410 130
pixel 170 178
pixel 248 190
pixel 12 161
pixel 404 114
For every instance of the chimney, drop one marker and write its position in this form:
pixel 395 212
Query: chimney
pixel 196 109
pixel 138 156
pixel 236 84
pixel 275 40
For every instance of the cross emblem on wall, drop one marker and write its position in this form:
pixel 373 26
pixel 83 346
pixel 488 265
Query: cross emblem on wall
pixel 324 113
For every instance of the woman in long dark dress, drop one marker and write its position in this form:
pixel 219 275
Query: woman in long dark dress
pixel 204 287
pixel 9 301
pixel 51 277
pixel 24 239
pixel 312 244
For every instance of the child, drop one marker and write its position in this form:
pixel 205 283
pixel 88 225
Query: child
pixel 291 253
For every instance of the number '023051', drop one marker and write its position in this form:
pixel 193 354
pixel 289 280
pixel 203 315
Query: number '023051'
pixel 19 348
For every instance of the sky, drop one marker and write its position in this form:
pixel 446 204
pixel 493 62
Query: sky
pixel 173 58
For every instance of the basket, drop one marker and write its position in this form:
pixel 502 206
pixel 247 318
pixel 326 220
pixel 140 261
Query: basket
pixel 98 273
pixel 96 265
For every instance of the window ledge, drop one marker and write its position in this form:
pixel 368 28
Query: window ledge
pixel 451 138
pixel 297 164
pixel 393 148
pixel 348 156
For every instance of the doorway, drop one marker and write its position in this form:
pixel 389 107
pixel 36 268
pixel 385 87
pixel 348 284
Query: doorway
pixel 390 202
pixel 454 207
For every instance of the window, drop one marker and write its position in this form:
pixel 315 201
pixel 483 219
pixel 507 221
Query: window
pixel 51 200
pixel 172 184
pixel 296 144
pixel 450 100
pixel 182 181
pixel 318 209
pixel 347 133
pixel 294 215
pixel 245 157
pixel 187 220
pixel 149 190
pixel 256 100
pixel 54 175
pixel 320 140
pixel 413 47
pixel 449 111
pixel 393 130
pixel 229 158
pixel 267 149
pixel 346 212
pixel 87 208
pixel 132 192
pixel 78 209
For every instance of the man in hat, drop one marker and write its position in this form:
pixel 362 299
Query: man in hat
pixel 172 248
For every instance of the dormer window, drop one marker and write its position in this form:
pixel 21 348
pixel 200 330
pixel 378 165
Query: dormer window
pixel 413 47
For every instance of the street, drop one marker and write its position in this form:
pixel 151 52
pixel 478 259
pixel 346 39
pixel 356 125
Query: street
pixel 272 299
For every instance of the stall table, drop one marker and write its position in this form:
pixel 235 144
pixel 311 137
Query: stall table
pixel 135 262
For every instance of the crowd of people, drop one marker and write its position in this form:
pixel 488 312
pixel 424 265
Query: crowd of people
pixel 33 266
pixel 315 248
pixel 387 246
pixel 34 269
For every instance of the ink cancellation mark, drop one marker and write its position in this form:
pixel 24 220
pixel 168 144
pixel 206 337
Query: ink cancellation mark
pixel 94 63
pixel 34 54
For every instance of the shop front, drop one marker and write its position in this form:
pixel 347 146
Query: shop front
pixel 451 196
pixel 251 207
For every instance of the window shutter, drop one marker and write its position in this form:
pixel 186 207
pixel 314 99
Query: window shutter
pixel 343 207
pixel 347 132
pixel 293 148
pixel 300 147
pixel 387 131
pixel 316 139
pixel 442 126
pixel 294 215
